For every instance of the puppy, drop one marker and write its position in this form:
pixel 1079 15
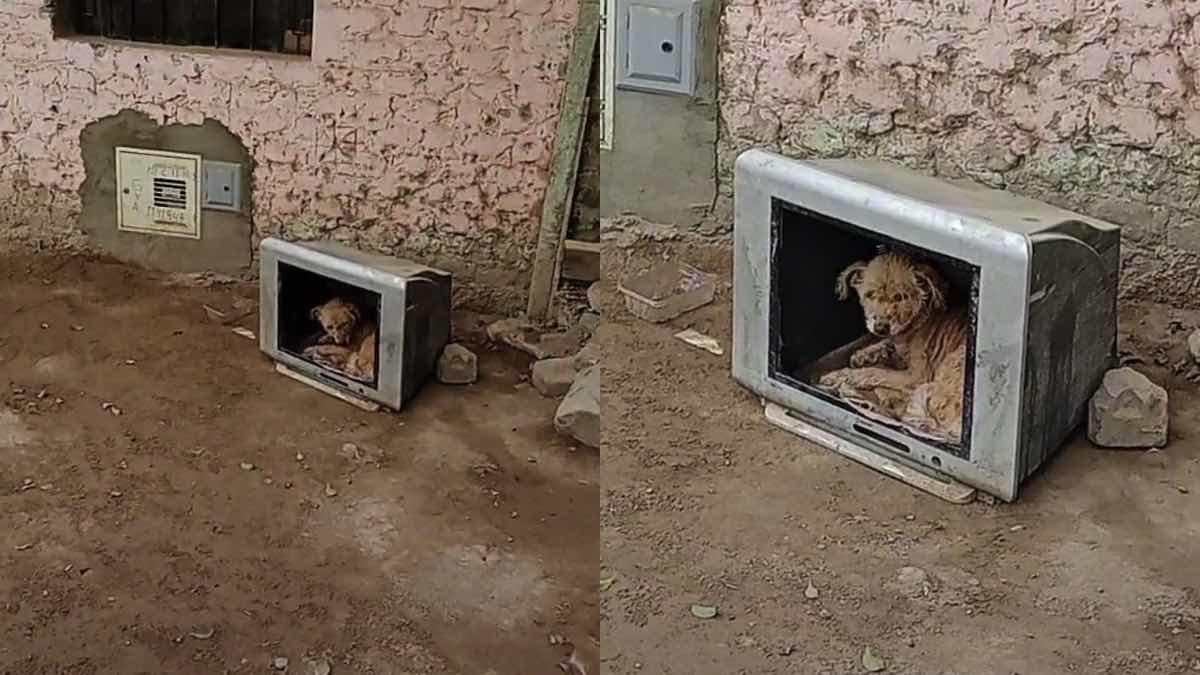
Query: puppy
pixel 923 350
pixel 348 343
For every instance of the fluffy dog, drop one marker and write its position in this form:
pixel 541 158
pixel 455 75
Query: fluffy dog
pixel 917 369
pixel 348 343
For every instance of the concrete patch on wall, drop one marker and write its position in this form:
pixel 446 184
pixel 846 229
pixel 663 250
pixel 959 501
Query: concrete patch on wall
pixel 662 164
pixel 421 129
pixel 1091 106
pixel 224 246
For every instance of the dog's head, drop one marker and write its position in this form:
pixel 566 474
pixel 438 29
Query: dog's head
pixel 338 317
pixel 896 292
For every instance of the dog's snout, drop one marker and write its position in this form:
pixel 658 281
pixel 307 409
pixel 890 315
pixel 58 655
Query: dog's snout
pixel 880 327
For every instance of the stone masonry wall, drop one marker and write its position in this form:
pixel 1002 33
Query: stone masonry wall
pixel 420 127
pixel 1089 104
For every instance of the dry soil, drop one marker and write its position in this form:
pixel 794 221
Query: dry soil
pixel 228 516
pixel 1094 570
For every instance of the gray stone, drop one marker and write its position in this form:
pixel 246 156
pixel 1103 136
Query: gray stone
pixel 457 365
pixel 553 377
pixel 1194 345
pixel 578 415
pixel 1128 411
pixel 593 297
pixel 589 322
pixel 588 356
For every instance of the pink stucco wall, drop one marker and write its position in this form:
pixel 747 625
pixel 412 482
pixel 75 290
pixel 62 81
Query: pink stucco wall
pixel 1092 104
pixel 419 126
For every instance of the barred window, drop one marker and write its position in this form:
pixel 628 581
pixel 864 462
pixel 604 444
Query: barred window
pixel 283 26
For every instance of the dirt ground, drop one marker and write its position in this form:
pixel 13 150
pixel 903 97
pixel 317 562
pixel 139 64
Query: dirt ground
pixel 1094 570
pixel 229 516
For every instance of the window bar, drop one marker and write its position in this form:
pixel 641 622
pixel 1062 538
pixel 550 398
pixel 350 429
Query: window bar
pixel 103 19
pixel 132 20
pixel 287 26
pixel 162 22
pixel 253 23
pixel 216 23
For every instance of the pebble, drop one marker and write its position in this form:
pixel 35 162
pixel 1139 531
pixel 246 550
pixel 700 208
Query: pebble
pixel 280 663
pixel 912 582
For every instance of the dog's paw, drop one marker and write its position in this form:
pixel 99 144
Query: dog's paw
pixel 835 380
pixel 864 358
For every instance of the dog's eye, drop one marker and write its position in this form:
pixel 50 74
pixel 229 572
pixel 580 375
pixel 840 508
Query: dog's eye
pixel 870 295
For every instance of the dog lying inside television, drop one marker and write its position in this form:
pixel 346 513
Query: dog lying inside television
pixel 348 342
pixel 912 367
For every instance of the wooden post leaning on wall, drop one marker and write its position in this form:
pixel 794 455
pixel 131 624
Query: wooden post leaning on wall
pixel 564 167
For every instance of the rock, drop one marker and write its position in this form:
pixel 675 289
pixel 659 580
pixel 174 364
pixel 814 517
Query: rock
pixel 589 322
pixel 578 415
pixel 1194 345
pixel 1128 411
pixel 588 356
pixel 553 377
pixel 280 663
pixel 593 297
pixel 912 582
pixel 457 365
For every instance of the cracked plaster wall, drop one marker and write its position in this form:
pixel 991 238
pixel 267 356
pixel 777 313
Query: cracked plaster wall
pixel 1089 104
pixel 419 127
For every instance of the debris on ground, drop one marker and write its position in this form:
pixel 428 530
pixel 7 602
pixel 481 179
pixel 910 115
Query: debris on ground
pixel 667 290
pixel 872 661
pixel 1128 411
pixel 244 332
pixel 700 340
pixel 705 611
pixel 280 663
pixel 911 582
pixel 457 365
pixel 111 407
pixel 318 667
pixel 519 333
pixel 202 634
pixel 607 583
pixel 811 592
pixel 553 377
pixel 578 415
pixel 1193 343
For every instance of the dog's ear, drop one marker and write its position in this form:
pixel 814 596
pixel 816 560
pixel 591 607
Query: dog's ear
pixel 315 313
pixel 354 311
pixel 849 278
pixel 933 286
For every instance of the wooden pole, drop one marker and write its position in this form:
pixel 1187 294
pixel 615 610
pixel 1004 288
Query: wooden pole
pixel 564 167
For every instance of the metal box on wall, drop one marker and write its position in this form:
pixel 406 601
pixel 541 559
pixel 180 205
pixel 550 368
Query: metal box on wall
pixel 656 45
pixel 1039 283
pixel 409 304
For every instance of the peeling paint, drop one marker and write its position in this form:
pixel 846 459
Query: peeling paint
pixel 1092 106
pixel 419 126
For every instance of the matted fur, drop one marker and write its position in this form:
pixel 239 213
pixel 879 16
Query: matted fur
pixel 349 343
pixel 917 370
